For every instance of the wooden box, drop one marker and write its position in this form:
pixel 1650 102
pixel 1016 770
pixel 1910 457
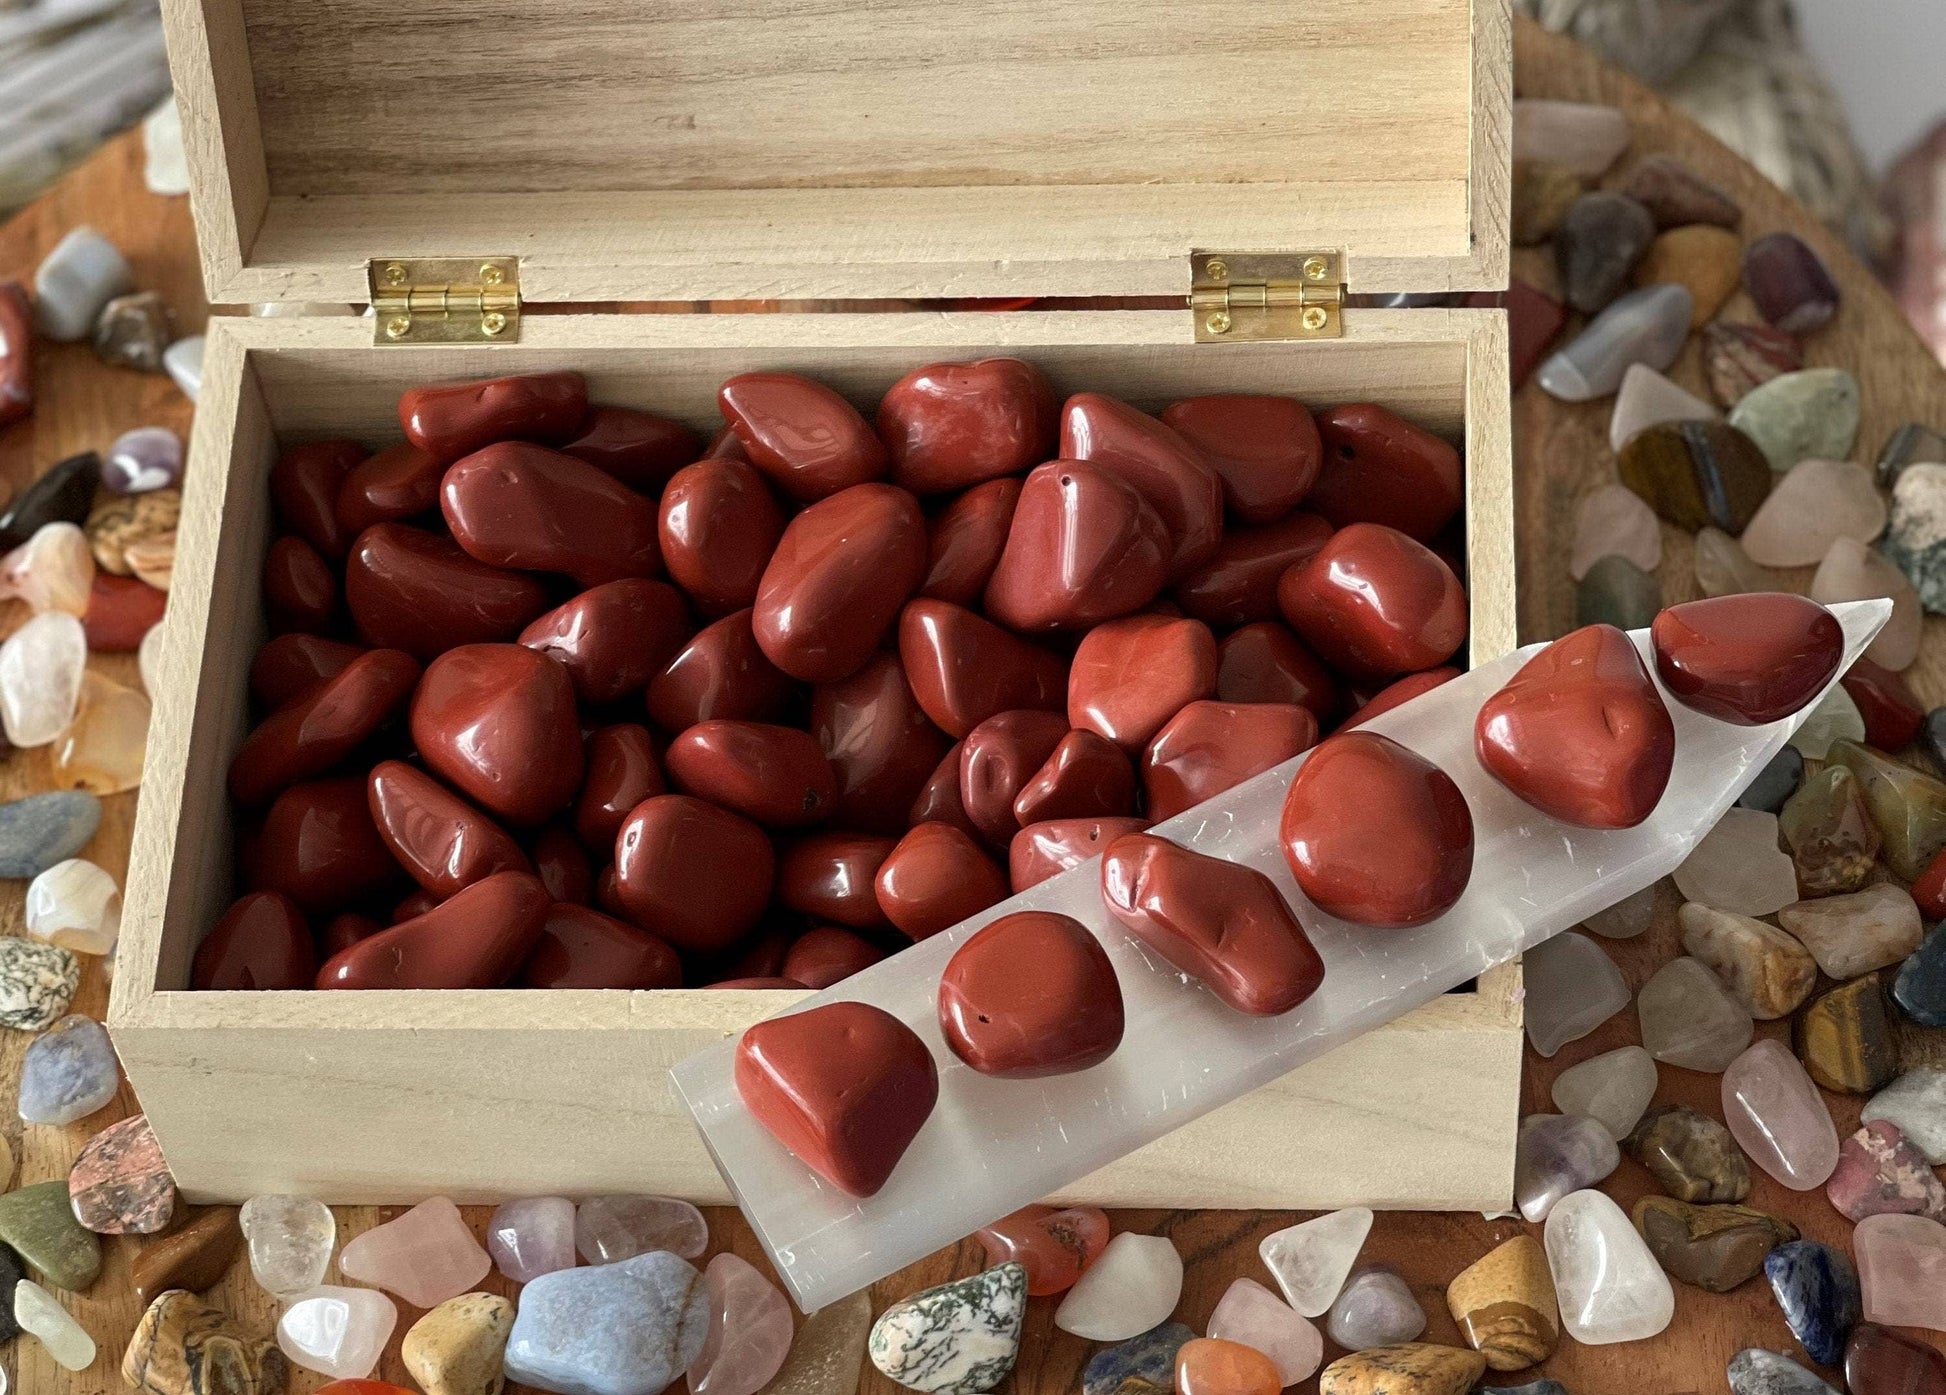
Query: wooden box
pixel 631 150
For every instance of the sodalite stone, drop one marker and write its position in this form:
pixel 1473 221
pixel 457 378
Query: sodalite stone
pixel 956 1339
pixel 1818 1291
pixel 1150 1357
pixel 37 983
pixel 1920 987
pixel 43 829
pixel 1760 1372
pixel 628 1328
pixel 69 1072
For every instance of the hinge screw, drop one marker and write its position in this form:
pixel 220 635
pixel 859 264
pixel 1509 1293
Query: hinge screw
pixel 397 327
pixel 492 323
pixel 395 274
pixel 1217 269
pixel 491 275
pixel 1315 318
pixel 1315 268
pixel 1218 322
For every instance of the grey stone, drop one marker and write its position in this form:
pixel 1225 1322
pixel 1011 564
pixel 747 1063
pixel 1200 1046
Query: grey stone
pixel 1616 592
pixel 1646 326
pixel 43 829
pixel 1910 444
pixel 628 1328
pixel 1811 414
pixel 73 282
pixel 1775 783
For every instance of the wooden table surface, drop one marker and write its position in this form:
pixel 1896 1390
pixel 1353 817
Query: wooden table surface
pixel 1561 453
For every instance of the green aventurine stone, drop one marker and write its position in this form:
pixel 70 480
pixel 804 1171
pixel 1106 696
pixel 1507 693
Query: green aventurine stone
pixel 1833 841
pixel 1616 592
pixel 1713 1247
pixel 1908 807
pixel 1808 415
pixel 39 1222
pixel 1697 473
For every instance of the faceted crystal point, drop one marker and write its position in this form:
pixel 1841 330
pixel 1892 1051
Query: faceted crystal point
pixel 337 1332
pixel 1759 1372
pixel 1374 1309
pixel 1853 934
pixel 610 1228
pixel 1739 867
pixel 1311 1259
pixel 1557 1154
pixel 1716 1248
pixel 1902 1265
pixel 68 1073
pixel 290 1239
pixel 40 677
pixel 1690 1019
pixel 749 1330
pixel 40 1312
pixel 1626 919
pixel 1131 1288
pixel 1879 1173
pixel 628 1328
pixel 1777 1116
pixel 1251 1314
pixel 1614 522
pixel 425 1256
pixel 1610 1287
pixel 75 905
pixel 1817 1289
pixel 1505 1306
pixel 1769 972
pixel 1613 1088
pixel 532 1236
pixel 959 1338
pixel 1646 326
pixel 1816 503
pixel 1690 1155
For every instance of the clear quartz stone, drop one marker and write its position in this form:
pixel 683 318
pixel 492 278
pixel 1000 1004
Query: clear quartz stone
pixel 1311 1259
pixel 1857 932
pixel 532 1236
pixel 1572 987
pixel 1690 1019
pixel 290 1239
pixel 40 677
pixel 1615 521
pixel 1646 399
pixel 1613 1088
pixel 1777 1116
pixel 1610 1287
pixel 1739 866
pixel 39 1312
pixel 1557 1154
pixel 105 747
pixel 1626 919
pixel 609 1228
pixel 1852 571
pixel 53 570
pixel 337 1332
pixel 149 457
pixel 1835 718
pixel 1811 506
pixel 1132 1285
pixel 76 905
pixel 1375 1309
pixel 1251 1314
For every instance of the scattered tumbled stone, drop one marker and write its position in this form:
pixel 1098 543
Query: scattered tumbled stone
pixel 184 1346
pixel 1845 1038
pixel 1542 195
pixel 1715 1248
pixel 1557 1154
pixel 1626 919
pixel 1760 1372
pixel 1815 502
pixel 44 829
pixel 749 1330
pixel 608 1228
pixel 104 748
pixel 1420 1368
pixel 121 521
pixel 531 1236
pixel 1739 867
pixel 1615 591
pixel 458 1347
pixel 1739 358
pixel 1835 718
pixel 1775 783
pixel 1909 808
pixel 1852 571
pixel 1909 444
pixel 1613 1088
pixel 41 666
pixel 1702 258
pixel 959 1338
pixel 1892 715
pixel 628 1328
pixel 1132 1287
pixel 1723 568
pixel 828 1353
pixel 1533 1387
pixel 1916 541
pixel 1054 1244
pixel 425 1256
pixel 1817 1289
pixel 1920 985
pixel 1855 933
pixel 37 983
pixel 195 1255
pixel 1879 1172
pixel 1676 194
pixel 1789 284
pixel 1806 415
pixel 183 362
pixel 40 1312
pixel 1251 1314
pixel 1645 399
pixel 1880 1362
pixel 149 457
pixel 1375 1308
pixel 1644 326
pixel 1311 1259
pixel 1777 1116
pixel 1572 987
pixel 63 494
pixel 1902 1266
pixel 1916 1102
pixel 291 1238
pixel 1688 1018
pixel 1690 1155
pixel 83 273
pixel 132 331
pixel 120 1185
pixel 1608 1284
pixel 68 1072
pixel 40 1225
pixel 76 905
pixel 1768 971
pixel 1505 1307
pixel 1697 474
pixel 1581 136
pixel 1833 841
pixel 1614 522
pixel 1601 238
pixel 337 1332
pixel 12 1271
pixel 1149 1358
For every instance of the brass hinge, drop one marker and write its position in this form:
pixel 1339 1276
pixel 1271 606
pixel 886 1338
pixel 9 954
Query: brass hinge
pixel 446 300
pixel 1242 297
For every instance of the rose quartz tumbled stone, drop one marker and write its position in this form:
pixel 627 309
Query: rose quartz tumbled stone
pixel 749 1330
pixel 531 1236
pixel 1902 1269
pixel 425 1256
pixel 1251 1314
pixel 1777 1116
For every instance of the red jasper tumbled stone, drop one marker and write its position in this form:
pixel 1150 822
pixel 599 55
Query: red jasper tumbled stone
pixel 1129 676
pixel 413 906
pixel 760 982
pixel 846 1087
pixel 562 865
pixel 1265 662
pixel 805 437
pixel 833 876
pixel 579 947
pixel 1380 468
pixel 697 875
pixel 444 843
pixel 413 590
pixel 304 486
pixel 300 589
pixel 291 667
pixel 1053 1244
pixel 1374 603
pixel 319 847
pixel 478 938
pixel 1892 714
pixel 498 722
pixel 1084 546
pixel 518 505
pixel 1747 659
pixel 1179 484
pixel 936 877
pixel 1031 994
pixel 1399 692
pixel 260 943
pixel 721 672
pixel 1088 776
pixel 640 449
pixel 340 933
pixel 718 524
pixel 964 669
pixel 835 583
pixel 997 759
pixel 826 954
pixel 451 420
pixel 1053 846
pixel 775 775
pixel 401 482
pixel 1238 585
pixel 121 609
pixel 1218 921
pixel 950 425
pixel 1208 747
pixel 1580 732
pixel 879 742
pixel 311 735
pixel 938 800
pixel 964 541
pixel 614 638
pixel 1265 448
pixel 1375 833
pixel 620 771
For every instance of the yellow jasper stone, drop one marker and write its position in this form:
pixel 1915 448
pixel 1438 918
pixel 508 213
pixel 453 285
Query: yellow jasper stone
pixel 1505 1306
pixel 1408 1368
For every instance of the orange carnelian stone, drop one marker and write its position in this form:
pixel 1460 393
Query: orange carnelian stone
pixel 1212 1366
pixel 1053 1243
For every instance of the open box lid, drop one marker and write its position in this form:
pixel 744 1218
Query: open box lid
pixel 756 149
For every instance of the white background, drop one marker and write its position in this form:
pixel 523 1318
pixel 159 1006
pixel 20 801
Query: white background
pixel 1887 58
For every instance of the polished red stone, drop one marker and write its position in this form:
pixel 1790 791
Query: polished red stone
pixel 640 449
pixel 1892 714
pixel 964 669
pixel 936 877
pixel 1747 659
pixel 1129 676
pixel 1380 468
pixel 313 734
pixel 1373 603
pixel 413 590
pixel 304 486
pixel 880 743
pixel 498 722
pixel 319 846
pixel 846 1087
pixel 1265 662
pixel 775 775
pixel 697 875
pixel 260 943
pixel 833 876
pixel 721 672
pixel 1029 995
pixel 1265 448
pixel 562 865
pixel 524 506
pixel 361 1387
pixel 16 353
pixel 760 983
pixel 443 842
pixel 964 541
pixel 478 938
pixel 1376 834
pixel 1053 846
pixel 620 771
pixel 341 932
pixel 950 425
pixel 1399 692
pixel 1088 776
pixel 399 483
pixel 718 525
pixel 413 906
pixel 805 437
pixel 997 759
pixel 1053 1244
pixel 614 638
pixel 1181 486
pixel 1580 732
pixel 300 589
pixel 457 419
pixel 724 445
pixel 1208 747
pixel 939 801
pixel 1929 891
pixel 826 954
pixel 1084 546
pixel 759 954
pixel 1238 585
pixel 1534 321
pixel 835 583
pixel 1880 1361
pixel 291 667
pixel 579 947
pixel 121 609
pixel 1217 921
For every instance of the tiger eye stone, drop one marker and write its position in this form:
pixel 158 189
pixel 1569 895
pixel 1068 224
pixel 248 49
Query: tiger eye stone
pixel 1846 1038
pixel 805 437
pixel 1697 474
pixel 456 419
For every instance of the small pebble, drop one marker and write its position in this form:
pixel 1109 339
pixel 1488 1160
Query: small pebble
pixel 53 570
pixel 1505 1306
pixel 1900 1263
pixel 1880 1173
pixel 1374 1309
pixel 1815 503
pixel 37 982
pixel 1615 591
pixel 425 1256
pixel 1789 283
pixel 614 1329
pixel 1572 987
pixel 1644 326
pixel 1690 1155
pixel 749 1330
pixel 1835 718
pixel 133 330
pixel 194 1255
pixel 959 1338
pixel 608 1228
pixel 1251 1314
pixel 40 1312
pixel 1626 919
pixel 63 494
pixel 1703 259
pixel 1697 474
pixel 1760 1372
pixel 1739 358
pixel 44 829
pixel 1738 866
pixel 41 664
pixel 1148 1358
pixel 1919 988
pixel 532 1236
pixel 74 281
pixel 1689 1019
pixel 1811 414
pixel 1557 1154
pixel 1614 522
pixel 1855 933
pixel 183 361
pixel 1775 783
pixel 38 1222
pixel 76 905
pixel 1769 972
pixel 1723 568
pixel 459 1347
pixel 1676 195
pixel 120 1185
pixel 1846 1038
pixel 186 1346
pixel 1131 1288
pixel 1777 1116
pixel 1601 238
pixel 68 1072
pixel 1916 542
pixel 1609 1286
pixel 149 457
pixel 1646 399
pixel 1880 1362
pixel 1916 1102
pixel 1613 1089
pixel 1909 444
pixel 1579 136
pixel 337 1332
pixel 1714 1248
pixel 1542 195
pixel 1832 838
pixel 1422 1368
pixel 1817 1289
pixel 828 1353
pixel 1312 1259
pixel 290 1239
